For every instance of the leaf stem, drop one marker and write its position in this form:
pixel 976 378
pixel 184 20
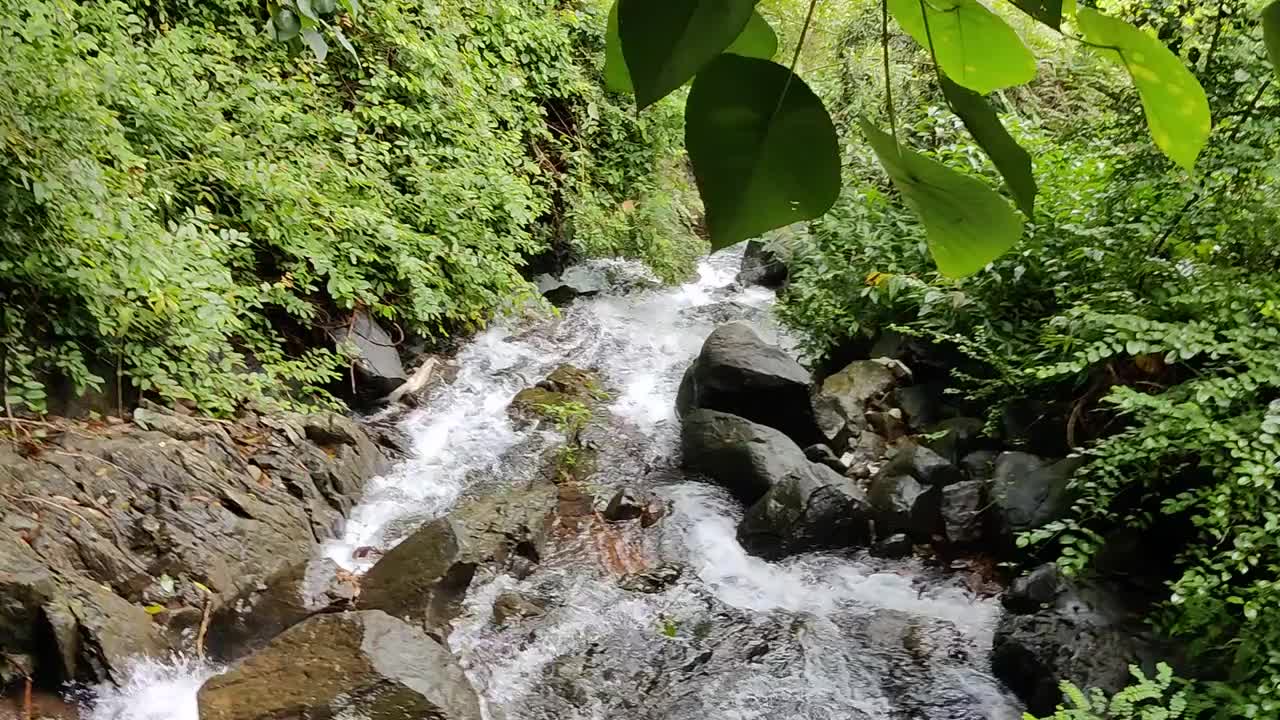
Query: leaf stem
pixel 888 82
pixel 795 57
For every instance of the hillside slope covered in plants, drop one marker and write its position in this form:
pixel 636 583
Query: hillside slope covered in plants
pixel 189 203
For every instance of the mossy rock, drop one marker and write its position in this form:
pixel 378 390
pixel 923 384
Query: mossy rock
pixel 555 398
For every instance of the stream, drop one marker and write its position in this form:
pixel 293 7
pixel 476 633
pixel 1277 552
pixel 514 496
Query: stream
pixel 819 636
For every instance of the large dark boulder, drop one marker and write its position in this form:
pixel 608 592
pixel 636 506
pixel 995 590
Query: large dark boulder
pixel 761 266
pixel 901 504
pixel 954 438
pixel 747 458
pixel 375 360
pixel 1028 492
pixel 739 373
pixel 335 665
pixel 840 402
pixel 923 464
pixel 810 508
pixel 1078 634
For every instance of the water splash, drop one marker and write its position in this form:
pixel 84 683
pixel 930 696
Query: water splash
pixel 153 690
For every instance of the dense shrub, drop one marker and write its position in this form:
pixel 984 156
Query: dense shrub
pixel 1142 299
pixel 184 199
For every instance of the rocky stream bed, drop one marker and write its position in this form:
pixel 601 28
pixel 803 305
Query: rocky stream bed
pixel 641 508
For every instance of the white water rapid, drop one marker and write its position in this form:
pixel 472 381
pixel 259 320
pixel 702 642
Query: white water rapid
pixel 843 636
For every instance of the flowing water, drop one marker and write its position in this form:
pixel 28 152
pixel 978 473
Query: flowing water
pixel 815 637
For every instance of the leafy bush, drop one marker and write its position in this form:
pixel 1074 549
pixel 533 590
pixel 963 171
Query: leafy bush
pixel 189 205
pixel 1146 699
pixel 1143 300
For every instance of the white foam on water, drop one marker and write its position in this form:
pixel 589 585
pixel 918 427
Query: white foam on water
pixel 153 690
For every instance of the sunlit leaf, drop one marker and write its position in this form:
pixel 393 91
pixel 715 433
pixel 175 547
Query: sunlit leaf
pixel 305 9
pixel 288 25
pixel 1048 12
pixel 760 163
pixel 667 43
pixel 1271 33
pixel 1009 158
pixel 756 40
pixel 1175 104
pixel 974 46
pixel 968 224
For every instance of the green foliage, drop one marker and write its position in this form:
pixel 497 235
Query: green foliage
pixel 744 146
pixel 1146 302
pixel 666 44
pixel 972 45
pixel 191 203
pixel 980 118
pixel 968 223
pixel 1146 699
pixel 1271 33
pixel 1176 107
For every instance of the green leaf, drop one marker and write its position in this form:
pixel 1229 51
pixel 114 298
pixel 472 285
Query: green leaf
pixel 760 164
pixel 305 9
pixel 1175 104
pixel 346 44
pixel 968 224
pixel 1010 159
pixel 324 7
pixel 1271 32
pixel 154 609
pixel 616 77
pixel 667 43
pixel 288 25
pixel 974 46
pixel 315 41
pixel 353 7
pixel 757 40
pixel 1048 12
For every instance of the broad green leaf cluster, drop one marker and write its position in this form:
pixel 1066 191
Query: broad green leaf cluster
pixel 190 205
pixel 1140 311
pixel 752 182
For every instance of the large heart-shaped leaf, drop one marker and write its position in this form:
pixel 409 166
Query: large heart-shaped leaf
pixel 1010 159
pixel 1271 32
pixel 968 224
pixel 666 43
pixel 1175 104
pixel 763 159
pixel 974 46
pixel 756 40
pixel 1048 12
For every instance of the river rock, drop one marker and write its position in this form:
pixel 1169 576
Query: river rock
pixel 823 455
pixel 761 266
pixel 808 509
pixel 566 387
pixel 979 464
pixel 745 457
pixel 921 404
pixel 1082 636
pixel 901 504
pixel 840 403
pixel 513 605
pixel 376 361
pixel 626 504
pixel 424 578
pixel 954 438
pixel 366 663
pixel 737 372
pixel 121 518
pixel 653 580
pixel 923 464
pixel 962 512
pixel 1028 492
pixel 894 547
pixel 866 455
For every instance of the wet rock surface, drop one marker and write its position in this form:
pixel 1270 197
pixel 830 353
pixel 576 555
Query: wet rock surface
pixel 105 521
pixel 738 373
pixel 367 663
pixel 761 266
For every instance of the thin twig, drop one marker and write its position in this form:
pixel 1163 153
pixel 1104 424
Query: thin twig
pixel 26 698
pixel 888 82
pixel 795 57
pixel 204 626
